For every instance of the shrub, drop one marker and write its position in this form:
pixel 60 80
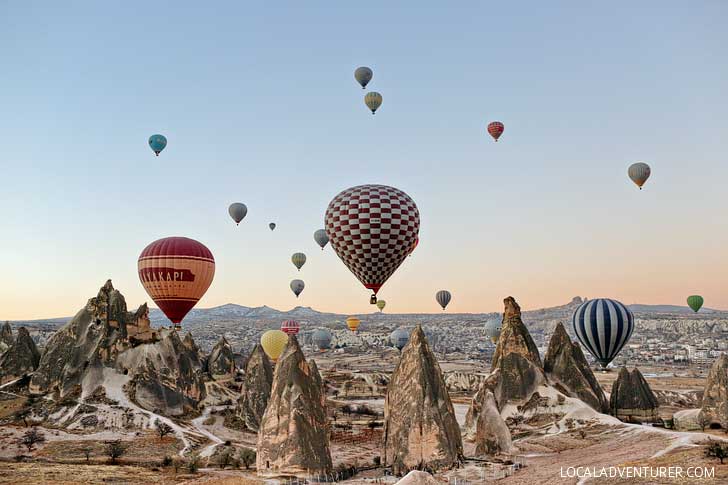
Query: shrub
pixel 247 457
pixel 115 449
pixel 167 461
pixel 718 450
pixel 193 463
pixel 225 458
pixel 86 450
pixel 31 437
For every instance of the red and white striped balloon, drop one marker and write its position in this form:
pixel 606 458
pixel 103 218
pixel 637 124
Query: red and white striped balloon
pixel 496 129
pixel 291 327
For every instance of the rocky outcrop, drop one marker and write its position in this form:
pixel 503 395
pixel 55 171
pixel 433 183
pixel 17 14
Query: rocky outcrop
pixel 20 359
pixel 568 370
pixel 420 429
pixel 221 361
pixel 293 438
pixel 631 399
pixel 514 337
pixel 459 381
pixel 6 334
pixel 255 390
pixel 189 342
pixel 492 435
pixel 715 395
pixel 165 375
pixel 416 477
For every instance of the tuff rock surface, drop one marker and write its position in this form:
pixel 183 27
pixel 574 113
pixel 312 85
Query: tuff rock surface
pixel 632 399
pixel 567 369
pixel 293 438
pixel 256 388
pixel 715 395
pixel 221 361
pixel 6 334
pixel 492 435
pixel 20 359
pixel 420 428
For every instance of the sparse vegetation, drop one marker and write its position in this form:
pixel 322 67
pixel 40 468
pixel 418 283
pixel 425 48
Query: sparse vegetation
pixel 30 438
pixel 209 421
pixel 703 421
pixel 193 463
pixel 247 457
pixel 714 449
pixel 225 458
pixel 23 414
pixel 167 461
pixel 163 429
pixel 115 449
pixel 86 450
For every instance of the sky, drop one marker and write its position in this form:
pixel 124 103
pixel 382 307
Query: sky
pixel 259 105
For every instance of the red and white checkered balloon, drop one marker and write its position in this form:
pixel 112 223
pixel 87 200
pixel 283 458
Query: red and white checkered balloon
pixel 372 229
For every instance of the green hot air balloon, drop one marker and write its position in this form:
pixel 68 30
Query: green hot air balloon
pixel 695 302
pixel 298 260
pixel 373 100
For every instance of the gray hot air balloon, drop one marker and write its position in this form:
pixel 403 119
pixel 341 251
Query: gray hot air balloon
pixel 639 173
pixel 443 297
pixel 298 260
pixel 321 338
pixel 363 75
pixel 297 287
pixel 493 329
pixel 237 211
pixel 373 100
pixel 321 238
pixel 272 225
pixel 399 338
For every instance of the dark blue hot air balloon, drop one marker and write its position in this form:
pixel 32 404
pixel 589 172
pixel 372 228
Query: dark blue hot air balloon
pixel 157 143
pixel 603 326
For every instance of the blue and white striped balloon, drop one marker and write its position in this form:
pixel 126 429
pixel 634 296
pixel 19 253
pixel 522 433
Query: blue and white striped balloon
pixel 603 326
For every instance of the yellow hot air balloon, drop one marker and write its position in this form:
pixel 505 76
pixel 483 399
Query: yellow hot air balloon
pixel 381 304
pixel 274 342
pixel 353 323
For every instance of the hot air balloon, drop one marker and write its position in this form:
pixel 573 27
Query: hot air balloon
pixel 603 326
pixel 363 75
pixel 493 329
pixel 291 327
pixel 496 129
pixel 237 211
pixel 298 260
pixel 373 100
pixel 297 287
pixel 272 225
pixel 321 338
pixel 414 246
pixel 157 143
pixel 176 272
pixel 399 338
pixel 695 302
pixel 321 238
pixel 372 228
pixel 443 297
pixel 274 343
pixel 353 323
pixel 381 304
pixel 639 173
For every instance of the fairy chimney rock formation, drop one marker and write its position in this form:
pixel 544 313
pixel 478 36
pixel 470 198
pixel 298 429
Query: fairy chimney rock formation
pixel 420 429
pixel 492 435
pixel 293 438
pixel 20 359
pixel 568 370
pixel 6 334
pixel 221 361
pixel 715 395
pixel 632 399
pixel 255 391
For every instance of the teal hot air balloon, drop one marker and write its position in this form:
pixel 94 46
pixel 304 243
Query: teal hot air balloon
pixel 321 339
pixel 399 338
pixel 695 302
pixel 157 143
pixel 321 238
pixel 373 100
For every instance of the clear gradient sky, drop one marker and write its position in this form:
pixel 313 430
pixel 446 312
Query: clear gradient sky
pixel 259 104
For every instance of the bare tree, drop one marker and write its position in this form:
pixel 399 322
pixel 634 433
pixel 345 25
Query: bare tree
pixel 247 457
pixel 31 437
pixel 86 450
pixel 703 421
pixel 163 429
pixel 115 449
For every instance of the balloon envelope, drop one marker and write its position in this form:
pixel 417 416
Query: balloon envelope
pixel 399 338
pixel 298 260
pixel 291 327
pixel 321 339
pixel 176 272
pixel 321 238
pixel 381 304
pixel 353 323
pixel 272 225
pixel 371 229
pixel 274 343
pixel 237 211
pixel 373 100
pixel 603 326
pixel 695 302
pixel 495 129
pixel 297 287
pixel 363 75
pixel 443 297
pixel 493 329
pixel 157 143
pixel 639 173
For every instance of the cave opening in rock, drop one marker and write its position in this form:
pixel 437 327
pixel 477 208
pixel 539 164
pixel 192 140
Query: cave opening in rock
pixel 715 426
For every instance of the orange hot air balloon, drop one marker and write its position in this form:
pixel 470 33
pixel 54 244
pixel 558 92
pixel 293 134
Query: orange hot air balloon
pixel 176 272
pixel 353 323
pixel 495 129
